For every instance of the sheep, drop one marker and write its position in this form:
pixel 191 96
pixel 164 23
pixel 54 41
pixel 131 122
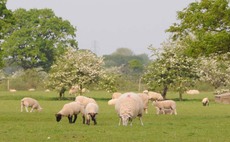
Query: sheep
pixel 112 102
pixel 85 100
pixel 31 89
pixel 116 95
pixel 192 92
pixel 145 99
pixel 205 101
pixel 91 110
pixel 30 102
pixel 69 110
pixel 128 107
pixel 13 90
pixel 74 89
pixel 166 104
pixel 154 96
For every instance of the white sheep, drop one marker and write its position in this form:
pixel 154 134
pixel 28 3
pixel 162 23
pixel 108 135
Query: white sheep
pixel 154 96
pixel 145 99
pixel 128 107
pixel 85 100
pixel 13 90
pixel 91 110
pixel 164 105
pixel 74 89
pixel 205 101
pixel 30 102
pixel 116 95
pixel 193 92
pixel 70 110
pixel 112 102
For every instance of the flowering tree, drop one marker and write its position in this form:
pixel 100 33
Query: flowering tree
pixel 215 69
pixel 80 67
pixel 171 68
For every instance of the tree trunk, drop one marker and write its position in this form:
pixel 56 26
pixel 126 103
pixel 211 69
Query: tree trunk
pixel 180 95
pixel 165 89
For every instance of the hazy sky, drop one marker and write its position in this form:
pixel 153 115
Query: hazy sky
pixel 105 25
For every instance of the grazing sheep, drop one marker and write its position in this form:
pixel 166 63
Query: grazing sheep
pixel 112 102
pixel 166 104
pixel 30 102
pixel 145 99
pixel 74 89
pixel 116 95
pixel 91 110
pixel 192 92
pixel 205 101
pixel 69 110
pixel 128 107
pixel 154 96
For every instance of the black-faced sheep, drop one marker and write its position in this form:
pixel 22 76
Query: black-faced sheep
pixel 70 110
pixel 91 110
pixel 30 102
pixel 128 107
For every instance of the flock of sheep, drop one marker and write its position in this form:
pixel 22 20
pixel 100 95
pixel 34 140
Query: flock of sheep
pixel 128 106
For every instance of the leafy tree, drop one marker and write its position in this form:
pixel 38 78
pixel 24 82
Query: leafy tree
pixel 215 70
pixel 170 69
pixel 80 67
pixel 204 26
pixel 37 38
pixel 6 20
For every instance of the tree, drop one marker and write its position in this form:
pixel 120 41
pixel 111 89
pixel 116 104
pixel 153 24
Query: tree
pixel 80 67
pixel 37 38
pixel 6 20
pixel 215 70
pixel 204 26
pixel 171 68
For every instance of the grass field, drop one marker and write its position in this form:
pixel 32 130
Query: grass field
pixel 194 123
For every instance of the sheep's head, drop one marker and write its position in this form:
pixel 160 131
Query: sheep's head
pixel 125 119
pixel 58 117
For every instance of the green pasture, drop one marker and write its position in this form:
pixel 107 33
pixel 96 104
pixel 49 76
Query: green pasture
pixel 194 123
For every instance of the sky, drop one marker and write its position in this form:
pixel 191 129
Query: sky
pixel 105 25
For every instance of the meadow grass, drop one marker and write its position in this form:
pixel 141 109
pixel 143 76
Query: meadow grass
pixel 193 122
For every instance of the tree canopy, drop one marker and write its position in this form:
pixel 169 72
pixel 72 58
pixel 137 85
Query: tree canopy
pixel 37 38
pixel 204 26
pixel 6 20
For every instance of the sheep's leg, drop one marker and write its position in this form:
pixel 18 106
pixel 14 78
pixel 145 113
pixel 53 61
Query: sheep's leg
pixel 119 121
pixel 75 118
pixel 21 108
pixel 83 118
pixel 70 119
pixel 175 111
pixel 26 108
pixel 32 109
pixel 94 120
pixel 88 121
pixel 141 121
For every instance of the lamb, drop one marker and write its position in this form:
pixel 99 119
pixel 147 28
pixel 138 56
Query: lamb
pixel 145 99
pixel 116 95
pixel 154 96
pixel 70 110
pixel 30 102
pixel 205 101
pixel 91 110
pixel 166 104
pixel 128 107
pixel 112 101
